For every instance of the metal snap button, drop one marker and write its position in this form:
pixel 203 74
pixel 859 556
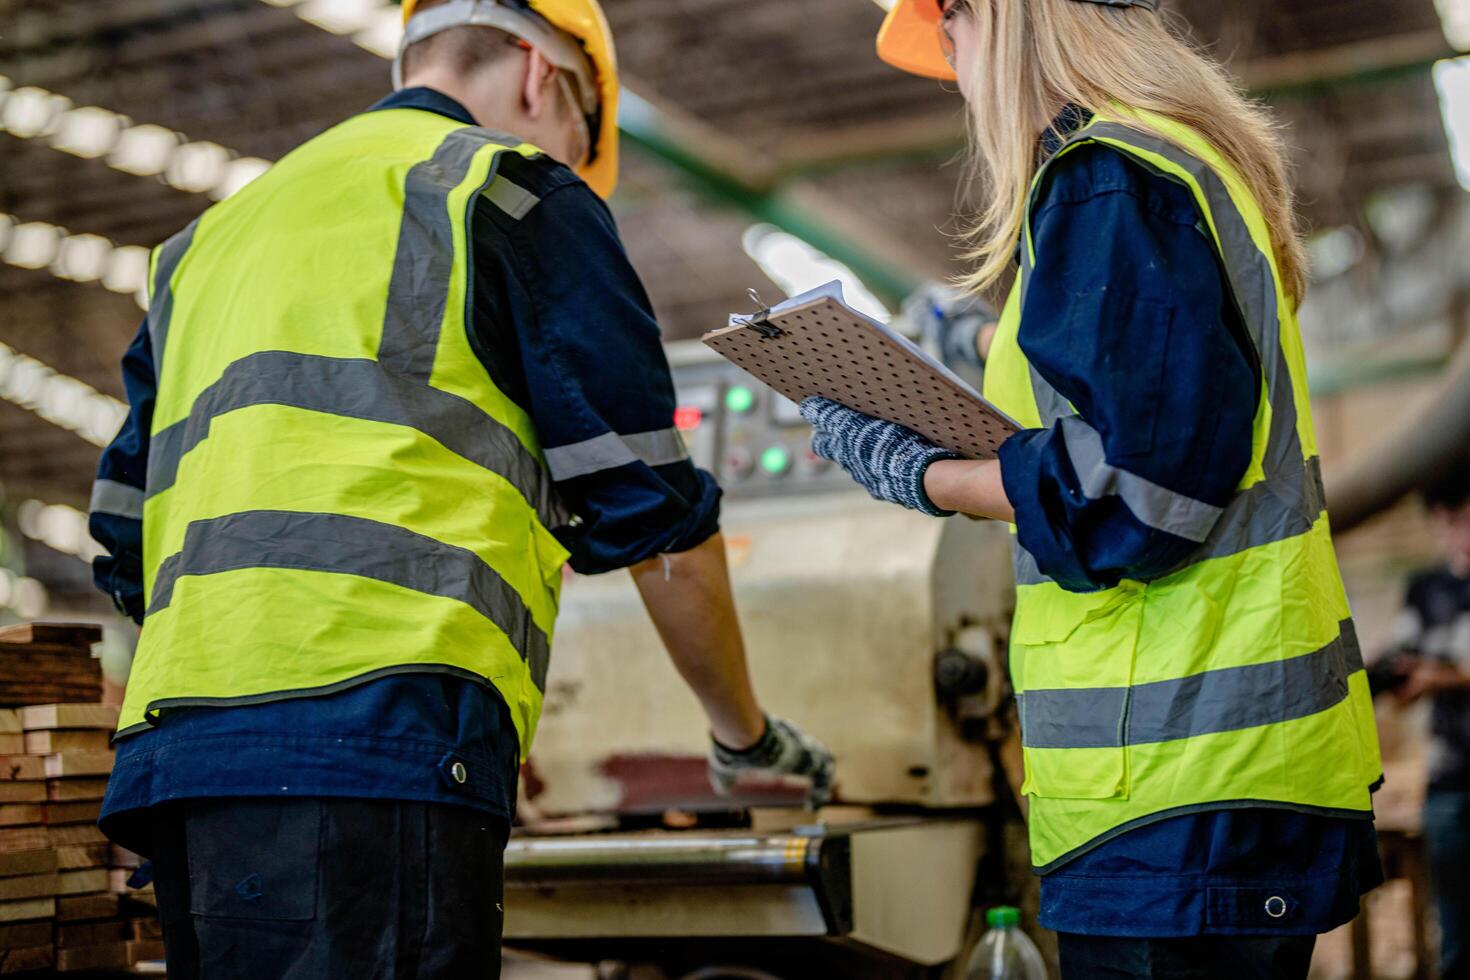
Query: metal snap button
pixel 459 772
pixel 1276 906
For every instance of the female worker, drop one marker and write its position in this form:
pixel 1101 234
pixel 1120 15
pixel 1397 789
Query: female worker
pixel 1198 739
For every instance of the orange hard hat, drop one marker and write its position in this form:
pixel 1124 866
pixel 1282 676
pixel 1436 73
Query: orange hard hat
pixel 909 39
pixel 585 23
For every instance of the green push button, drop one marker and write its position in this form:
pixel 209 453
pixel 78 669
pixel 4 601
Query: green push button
pixel 775 461
pixel 739 399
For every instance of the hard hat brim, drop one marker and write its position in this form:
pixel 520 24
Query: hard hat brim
pixel 909 40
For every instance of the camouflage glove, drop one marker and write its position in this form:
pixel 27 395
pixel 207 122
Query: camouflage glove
pixel 784 754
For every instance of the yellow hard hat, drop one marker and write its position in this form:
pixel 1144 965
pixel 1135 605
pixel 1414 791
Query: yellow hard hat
pixel 584 21
pixel 909 39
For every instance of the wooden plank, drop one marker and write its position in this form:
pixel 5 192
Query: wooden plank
pixel 19 814
pixel 12 744
pixel 148 928
pixel 78 833
pixel 30 886
pixel 28 908
pixel 121 857
pixel 82 881
pixel 93 933
pixel 111 956
pixel 40 861
pixel 50 741
pixel 69 716
pixel 142 950
pixel 71 908
pixel 19 935
pixel 14 767
pixel 69 634
pixel 78 811
pixel 76 788
pixel 25 791
pixel 70 857
pixel 23 839
pixel 28 959
pixel 79 764
pixel 9 721
pixel 139 902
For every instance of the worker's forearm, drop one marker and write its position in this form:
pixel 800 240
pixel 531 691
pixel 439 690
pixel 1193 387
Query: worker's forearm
pixel 971 487
pixel 689 600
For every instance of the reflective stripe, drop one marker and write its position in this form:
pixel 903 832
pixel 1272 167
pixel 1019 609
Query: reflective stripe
pixel 1156 506
pixel 1215 701
pixel 611 450
pixel 1286 507
pixel 511 198
pixel 117 499
pixel 342 545
pixel 161 302
pixel 358 389
pixel 418 291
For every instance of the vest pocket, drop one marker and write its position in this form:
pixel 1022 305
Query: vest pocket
pixel 1072 659
pixel 1076 774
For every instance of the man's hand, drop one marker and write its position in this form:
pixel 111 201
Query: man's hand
pixel 783 756
pixel 887 460
pixel 1430 677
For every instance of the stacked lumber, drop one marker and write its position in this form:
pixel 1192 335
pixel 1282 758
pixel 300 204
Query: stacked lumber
pixel 49 663
pixel 59 893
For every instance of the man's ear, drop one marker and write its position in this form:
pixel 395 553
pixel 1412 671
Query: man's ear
pixel 537 92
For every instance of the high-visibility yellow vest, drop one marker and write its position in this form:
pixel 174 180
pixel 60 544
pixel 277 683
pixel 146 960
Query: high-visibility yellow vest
pixel 1236 681
pixel 337 490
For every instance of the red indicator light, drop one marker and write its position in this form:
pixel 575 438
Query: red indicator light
pixel 687 418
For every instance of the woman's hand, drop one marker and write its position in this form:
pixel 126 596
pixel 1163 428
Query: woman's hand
pixel 888 460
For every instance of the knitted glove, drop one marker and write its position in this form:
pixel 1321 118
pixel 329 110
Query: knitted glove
pixel 888 460
pixel 783 754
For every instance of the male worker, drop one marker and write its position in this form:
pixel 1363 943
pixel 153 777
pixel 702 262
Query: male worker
pixel 380 397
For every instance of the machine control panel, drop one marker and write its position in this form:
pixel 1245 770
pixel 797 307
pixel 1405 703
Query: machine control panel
pixel 750 437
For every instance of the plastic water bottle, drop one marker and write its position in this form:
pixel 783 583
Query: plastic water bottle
pixel 1006 953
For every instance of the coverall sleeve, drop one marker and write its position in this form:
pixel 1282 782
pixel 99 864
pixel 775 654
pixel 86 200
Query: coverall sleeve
pixel 598 387
pixel 1128 317
pixel 116 519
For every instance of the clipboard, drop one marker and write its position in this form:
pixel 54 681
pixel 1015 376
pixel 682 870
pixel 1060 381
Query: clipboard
pixel 815 344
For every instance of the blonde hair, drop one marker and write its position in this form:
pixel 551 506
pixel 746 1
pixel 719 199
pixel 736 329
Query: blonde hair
pixel 1037 55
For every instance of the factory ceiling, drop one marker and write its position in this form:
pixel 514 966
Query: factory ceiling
pixel 756 111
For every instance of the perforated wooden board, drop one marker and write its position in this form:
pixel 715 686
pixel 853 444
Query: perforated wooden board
pixel 824 349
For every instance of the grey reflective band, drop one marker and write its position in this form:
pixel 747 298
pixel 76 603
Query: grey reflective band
pixel 1270 511
pixel 511 198
pixel 117 499
pixel 1225 700
pixel 342 545
pixel 611 450
pixel 161 301
pixel 358 389
pixel 1156 506
pixel 423 267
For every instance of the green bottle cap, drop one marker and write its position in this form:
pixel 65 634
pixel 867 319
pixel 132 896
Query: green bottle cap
pixel 1003 917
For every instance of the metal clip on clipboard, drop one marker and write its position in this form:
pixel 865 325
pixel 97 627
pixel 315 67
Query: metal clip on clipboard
pixel 760 321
